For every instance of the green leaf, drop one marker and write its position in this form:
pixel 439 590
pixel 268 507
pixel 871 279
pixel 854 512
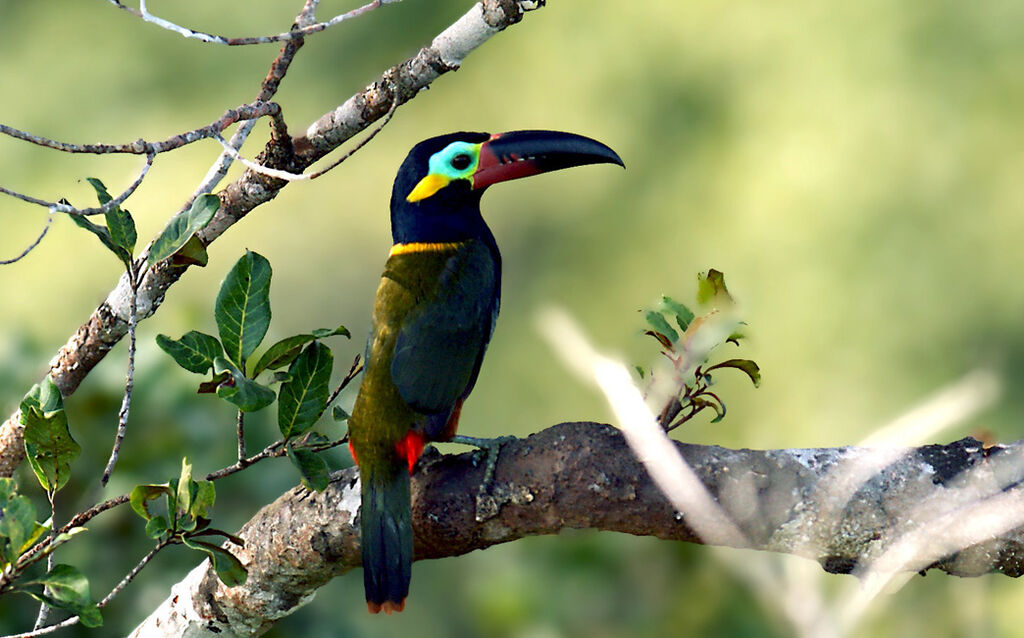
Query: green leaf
pixel 339 414
pixel 66 588
pixel 195 351
pixel 640 371
pixel 311 466
pixel 38 529
pixel 302 399
pixel 323 333
pixel 682 313
pixel 157 527
pixel 746 365
pixel 210 387
pixel 281 353
pixel 103 234
pixel 229 569
pixel 183 494
pixel 711 289
pixel 313 438
pixel 715 405
pixel 243 307
pixel 141 495
pixel 183 227
pixel 193 253
pixel 280 377
pixel 206 493
pixel 245 393
pixel 657 321
pixel 17 521
pixel 101 190
pixel 49 447
pixel 120 224
pixel 212 531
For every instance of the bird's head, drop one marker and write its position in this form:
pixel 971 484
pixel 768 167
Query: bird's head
pixel 437 192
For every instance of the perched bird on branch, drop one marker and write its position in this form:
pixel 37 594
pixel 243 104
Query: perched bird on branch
pixel 435 311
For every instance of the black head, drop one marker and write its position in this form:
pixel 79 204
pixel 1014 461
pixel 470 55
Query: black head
pixel 436 196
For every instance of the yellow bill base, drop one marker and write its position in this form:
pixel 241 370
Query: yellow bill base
pixel 427 187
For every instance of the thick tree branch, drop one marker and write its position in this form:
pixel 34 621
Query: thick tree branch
pixel 958 508
pixel 108 324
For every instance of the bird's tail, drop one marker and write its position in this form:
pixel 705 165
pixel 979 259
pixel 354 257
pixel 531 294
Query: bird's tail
pixel 386 525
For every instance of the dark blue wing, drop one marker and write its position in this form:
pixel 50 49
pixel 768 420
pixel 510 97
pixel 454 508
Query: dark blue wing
pixel 443 338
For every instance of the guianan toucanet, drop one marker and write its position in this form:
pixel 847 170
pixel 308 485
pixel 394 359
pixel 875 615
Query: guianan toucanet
pixel 434 314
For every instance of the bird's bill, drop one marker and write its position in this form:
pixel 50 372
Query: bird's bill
pixel 518 154
pixel 427 187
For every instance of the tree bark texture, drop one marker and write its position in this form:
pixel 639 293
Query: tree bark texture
pixel 958 507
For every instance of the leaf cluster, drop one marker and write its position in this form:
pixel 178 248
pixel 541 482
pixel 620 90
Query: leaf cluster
pixel 176 512
pixel 62 586
pixel 689 344
pixel 178 240
pixel 301 364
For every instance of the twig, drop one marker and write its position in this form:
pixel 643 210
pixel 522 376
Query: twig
pixel 247 113
pixel 356 368
pixel 44 609
pixel 366 140
pixel 240 427
pixel 252 111
pixel 191 34
pixel 129 577
pixel 46 228
pixel 134 572
pixel 49 629
pixel 268 89
pixel 230 150
pixel 275 449
pixel 63 207
pixel 129 384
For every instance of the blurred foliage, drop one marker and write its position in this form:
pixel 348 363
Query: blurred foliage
pixel 854 166
pixel 688 350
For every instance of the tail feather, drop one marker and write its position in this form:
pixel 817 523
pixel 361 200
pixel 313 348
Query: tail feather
pixel 386 525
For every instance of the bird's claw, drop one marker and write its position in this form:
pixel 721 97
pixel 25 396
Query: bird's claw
pixel 492 447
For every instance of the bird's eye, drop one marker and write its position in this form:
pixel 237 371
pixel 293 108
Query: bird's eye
pixel 461 162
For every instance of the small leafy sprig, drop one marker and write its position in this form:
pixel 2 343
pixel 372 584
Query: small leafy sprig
pixel 242 313
pixel 62 586
pixel 183 519
pixel 689 349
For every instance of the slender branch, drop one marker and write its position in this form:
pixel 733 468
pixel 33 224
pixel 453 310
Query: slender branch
pixel 44 609
pixel 130 576
pixel 246 113
pixel 354 369
pixel 73 620
pixel 366 140
pixel 191 34
pixel 62 206
pixel 240 430
pixel 142 147
pixel 268 89
pixel 46 228
pixel 275 449
pixel 129 384
pixel 49 629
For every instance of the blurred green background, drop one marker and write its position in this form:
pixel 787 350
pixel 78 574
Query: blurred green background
pixel 854 169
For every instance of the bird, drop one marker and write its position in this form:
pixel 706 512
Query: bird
pixel 434 314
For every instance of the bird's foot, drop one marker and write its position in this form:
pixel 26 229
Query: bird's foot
pixel 491 447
